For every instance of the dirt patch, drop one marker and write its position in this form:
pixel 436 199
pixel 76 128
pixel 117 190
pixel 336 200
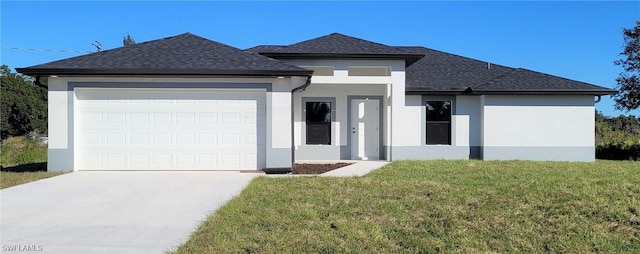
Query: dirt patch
pixel 310 169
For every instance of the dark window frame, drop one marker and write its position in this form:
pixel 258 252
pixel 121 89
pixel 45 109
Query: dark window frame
pixel 445 120
pixel 319 124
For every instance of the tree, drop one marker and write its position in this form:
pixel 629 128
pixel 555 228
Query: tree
pixel 128 40
pixel 23 104
pixel 629 80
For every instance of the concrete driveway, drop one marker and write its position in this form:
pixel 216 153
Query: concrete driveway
pixel 112 212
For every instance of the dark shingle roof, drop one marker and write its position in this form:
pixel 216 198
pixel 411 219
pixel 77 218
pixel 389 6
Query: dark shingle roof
pixel 336 45
pixel 444 71
pixel 181 54
pixel 440 72
pixel 428 71
pixel 264 48
pixel 527 80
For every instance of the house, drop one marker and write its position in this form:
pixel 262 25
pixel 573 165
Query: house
pixel 189 103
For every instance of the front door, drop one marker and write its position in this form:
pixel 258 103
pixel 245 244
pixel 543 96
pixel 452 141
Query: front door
pixel 365 129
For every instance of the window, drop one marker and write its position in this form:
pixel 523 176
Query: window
pixel 438 122
pixel 318 123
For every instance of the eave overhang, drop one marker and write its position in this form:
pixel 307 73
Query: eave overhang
pixel 156 72
pixel 467 91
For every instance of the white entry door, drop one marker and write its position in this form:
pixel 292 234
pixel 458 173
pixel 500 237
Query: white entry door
pixel 365 129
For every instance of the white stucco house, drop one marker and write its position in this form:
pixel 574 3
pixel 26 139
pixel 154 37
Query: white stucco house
pixel 189 103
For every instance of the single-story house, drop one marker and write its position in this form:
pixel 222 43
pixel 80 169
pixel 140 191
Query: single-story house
pixel 189 103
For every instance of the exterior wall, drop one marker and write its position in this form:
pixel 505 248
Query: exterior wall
pixel 60 154
pixel 339 148
pixel 388 89
pixel 470 108
pixel 62 103
pixel 464 134
pixel 279 123
pixel 558 128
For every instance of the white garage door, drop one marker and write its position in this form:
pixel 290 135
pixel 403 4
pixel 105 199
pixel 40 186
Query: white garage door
pixel 169 129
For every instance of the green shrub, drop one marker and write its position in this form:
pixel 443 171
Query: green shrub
pixel 627 150
pixel 21 151
pixel 23 104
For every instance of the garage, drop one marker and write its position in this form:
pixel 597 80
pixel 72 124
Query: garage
pixel 178 103
pixel 170 129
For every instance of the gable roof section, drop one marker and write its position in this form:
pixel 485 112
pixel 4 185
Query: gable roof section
pixel 334 46
pixel 443 73
pixel 184 54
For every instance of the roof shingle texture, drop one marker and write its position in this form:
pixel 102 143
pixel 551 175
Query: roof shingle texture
pixel 440 71
pixel 334 43
pixel 182 52
pixel 523 79
pixel 443 71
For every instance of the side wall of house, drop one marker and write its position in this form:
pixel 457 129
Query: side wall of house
pixel 278 127
pixel 557 128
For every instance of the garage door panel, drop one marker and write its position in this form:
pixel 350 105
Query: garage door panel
pixel 139 118
pixel 92 159
pixel 160 160
pixel 169 130
pixel 139 159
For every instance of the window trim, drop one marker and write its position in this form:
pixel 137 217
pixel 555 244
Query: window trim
pixel 304 101
pixel 452 100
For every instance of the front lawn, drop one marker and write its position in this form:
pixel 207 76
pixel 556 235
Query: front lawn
pixel 435 206
pixel 9 179
pixel 23 160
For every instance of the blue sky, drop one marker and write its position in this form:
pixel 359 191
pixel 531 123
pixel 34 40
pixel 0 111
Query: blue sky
pixel 576 40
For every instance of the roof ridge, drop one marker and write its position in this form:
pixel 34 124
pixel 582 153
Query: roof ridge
pixel 184 53
pixel 456 55
pixel 336 34
pixel 228 47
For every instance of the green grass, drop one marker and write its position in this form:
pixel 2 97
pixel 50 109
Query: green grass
pixel 22 154
pixel 21 151
pixel 435 206
pixel 9 179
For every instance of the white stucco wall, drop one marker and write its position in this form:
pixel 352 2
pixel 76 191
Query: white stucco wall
pixel 341 86
pixel 412 117
pixel 538 127
pixel 60 110
pixel 412 132
pixel 470 107
pixel 62 107
pixel 339 132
